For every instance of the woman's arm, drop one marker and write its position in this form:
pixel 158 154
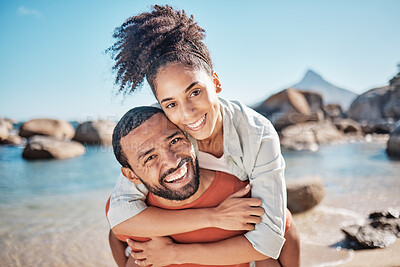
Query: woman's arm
pixel 234 213
pixel 161 251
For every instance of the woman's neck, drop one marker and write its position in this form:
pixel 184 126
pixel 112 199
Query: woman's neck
pixel 215 143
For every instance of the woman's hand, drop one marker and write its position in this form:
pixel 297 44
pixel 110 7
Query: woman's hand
pixel 237 213
pixel 159 251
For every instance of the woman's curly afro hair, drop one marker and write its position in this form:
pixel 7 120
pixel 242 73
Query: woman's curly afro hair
pixel 148 41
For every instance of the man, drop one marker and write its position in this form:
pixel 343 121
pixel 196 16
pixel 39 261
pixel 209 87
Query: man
pixel 157 154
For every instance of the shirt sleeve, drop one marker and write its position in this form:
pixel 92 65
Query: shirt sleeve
pixel 127 200
pixel 268 183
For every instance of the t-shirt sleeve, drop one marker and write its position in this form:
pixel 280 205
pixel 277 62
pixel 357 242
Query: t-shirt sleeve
pixel 127 200
pixel 268 183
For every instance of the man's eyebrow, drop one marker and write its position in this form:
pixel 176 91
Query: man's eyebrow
pixel 141 155
pixel 172 135
pixel 187 89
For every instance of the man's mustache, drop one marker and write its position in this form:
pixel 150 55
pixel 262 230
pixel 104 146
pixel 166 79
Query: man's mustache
pixel 168 172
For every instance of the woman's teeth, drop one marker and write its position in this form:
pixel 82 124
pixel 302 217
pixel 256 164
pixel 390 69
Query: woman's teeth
pixel 178 174
pixel 197 123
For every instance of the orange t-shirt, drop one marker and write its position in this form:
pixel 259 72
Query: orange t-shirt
pixel 222 186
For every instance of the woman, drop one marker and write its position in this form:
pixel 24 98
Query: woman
pixel 165 47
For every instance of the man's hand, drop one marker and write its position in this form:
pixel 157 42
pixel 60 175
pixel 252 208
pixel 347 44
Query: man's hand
pixel 159 251
pixel 237 213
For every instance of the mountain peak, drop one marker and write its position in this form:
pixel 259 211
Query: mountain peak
pixel 312 76
pixel 332 94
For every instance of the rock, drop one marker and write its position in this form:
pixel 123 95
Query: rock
pixel 392 225
pixel 333 111
pixel 348 126
pixel 390 213
pixel 367 236
pixel 13 140
pixel 378 108
pixel 307 136
pixel 291 106
pixel 43 147
pixel 95 132
pixel 380 231
pixel 48 127
pixel 4 129
pixel 304 194
pixel 393 144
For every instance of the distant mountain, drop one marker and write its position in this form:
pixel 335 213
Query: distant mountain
pixel 331 94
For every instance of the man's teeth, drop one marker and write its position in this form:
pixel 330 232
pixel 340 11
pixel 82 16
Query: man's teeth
pixel 197 123
pixel 177 175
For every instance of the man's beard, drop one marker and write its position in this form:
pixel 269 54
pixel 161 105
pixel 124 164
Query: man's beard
pixel 183 193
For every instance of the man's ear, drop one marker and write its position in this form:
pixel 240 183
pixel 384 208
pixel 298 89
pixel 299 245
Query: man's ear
pixel 130 175
pixel 216 82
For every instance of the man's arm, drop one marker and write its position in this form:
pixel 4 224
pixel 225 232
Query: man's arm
pixel 161 251
pixel 234 213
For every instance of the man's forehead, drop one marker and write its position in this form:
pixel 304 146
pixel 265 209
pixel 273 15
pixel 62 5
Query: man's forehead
pixel 150 134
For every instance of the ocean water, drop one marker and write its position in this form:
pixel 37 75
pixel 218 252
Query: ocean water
pixel 52 212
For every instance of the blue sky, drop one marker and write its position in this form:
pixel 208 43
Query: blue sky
pixel 52 60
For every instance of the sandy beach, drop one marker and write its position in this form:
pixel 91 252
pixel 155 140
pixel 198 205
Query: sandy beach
pixel 61 222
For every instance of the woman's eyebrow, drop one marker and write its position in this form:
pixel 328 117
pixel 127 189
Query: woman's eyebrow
pixel 186 90
pixel 190 86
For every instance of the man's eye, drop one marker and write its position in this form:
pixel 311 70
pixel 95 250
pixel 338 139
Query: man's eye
pixel 195 92
pixel 149 158
pixel 171 105
pixel 175 140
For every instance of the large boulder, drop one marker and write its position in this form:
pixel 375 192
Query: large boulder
pixel 304 194
pixel 291 106
pixel 4 129
pixel 48 127
pixel 381 230
pixel 95 132
pixel 393 144
pixel 307 136
pixel 44 147
pixel 378 109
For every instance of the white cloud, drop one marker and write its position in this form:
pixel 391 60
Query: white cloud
pixel 24 11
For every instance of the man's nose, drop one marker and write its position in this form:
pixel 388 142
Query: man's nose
pixel 170 159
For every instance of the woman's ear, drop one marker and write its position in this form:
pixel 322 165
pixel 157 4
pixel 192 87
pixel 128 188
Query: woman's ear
pixel 216 82
pixel 130 175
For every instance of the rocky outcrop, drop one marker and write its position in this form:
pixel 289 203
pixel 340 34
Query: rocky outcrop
pixel 304 194
pixel 378 109
pixel 333 111
pixel 58 129
pixel 13 140
pixel 307 136
pixel 95 132
pixel 393 144
pixel 4 129
pixel 348 126
pixel 43 147
pixel 291 106
pixel 380 231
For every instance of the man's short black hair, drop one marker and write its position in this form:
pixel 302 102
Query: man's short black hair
pixel 130 121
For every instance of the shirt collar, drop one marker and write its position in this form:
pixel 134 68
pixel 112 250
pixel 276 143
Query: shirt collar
pixel 232 142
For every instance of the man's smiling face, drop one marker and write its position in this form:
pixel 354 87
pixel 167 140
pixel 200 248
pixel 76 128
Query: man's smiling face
pixel 162 158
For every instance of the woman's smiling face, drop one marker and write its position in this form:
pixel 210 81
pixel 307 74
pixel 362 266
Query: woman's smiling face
pixel 189 99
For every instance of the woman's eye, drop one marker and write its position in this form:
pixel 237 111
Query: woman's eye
pixel 175 140
pixel 171 105
pixel 149 158
pixel 195 93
